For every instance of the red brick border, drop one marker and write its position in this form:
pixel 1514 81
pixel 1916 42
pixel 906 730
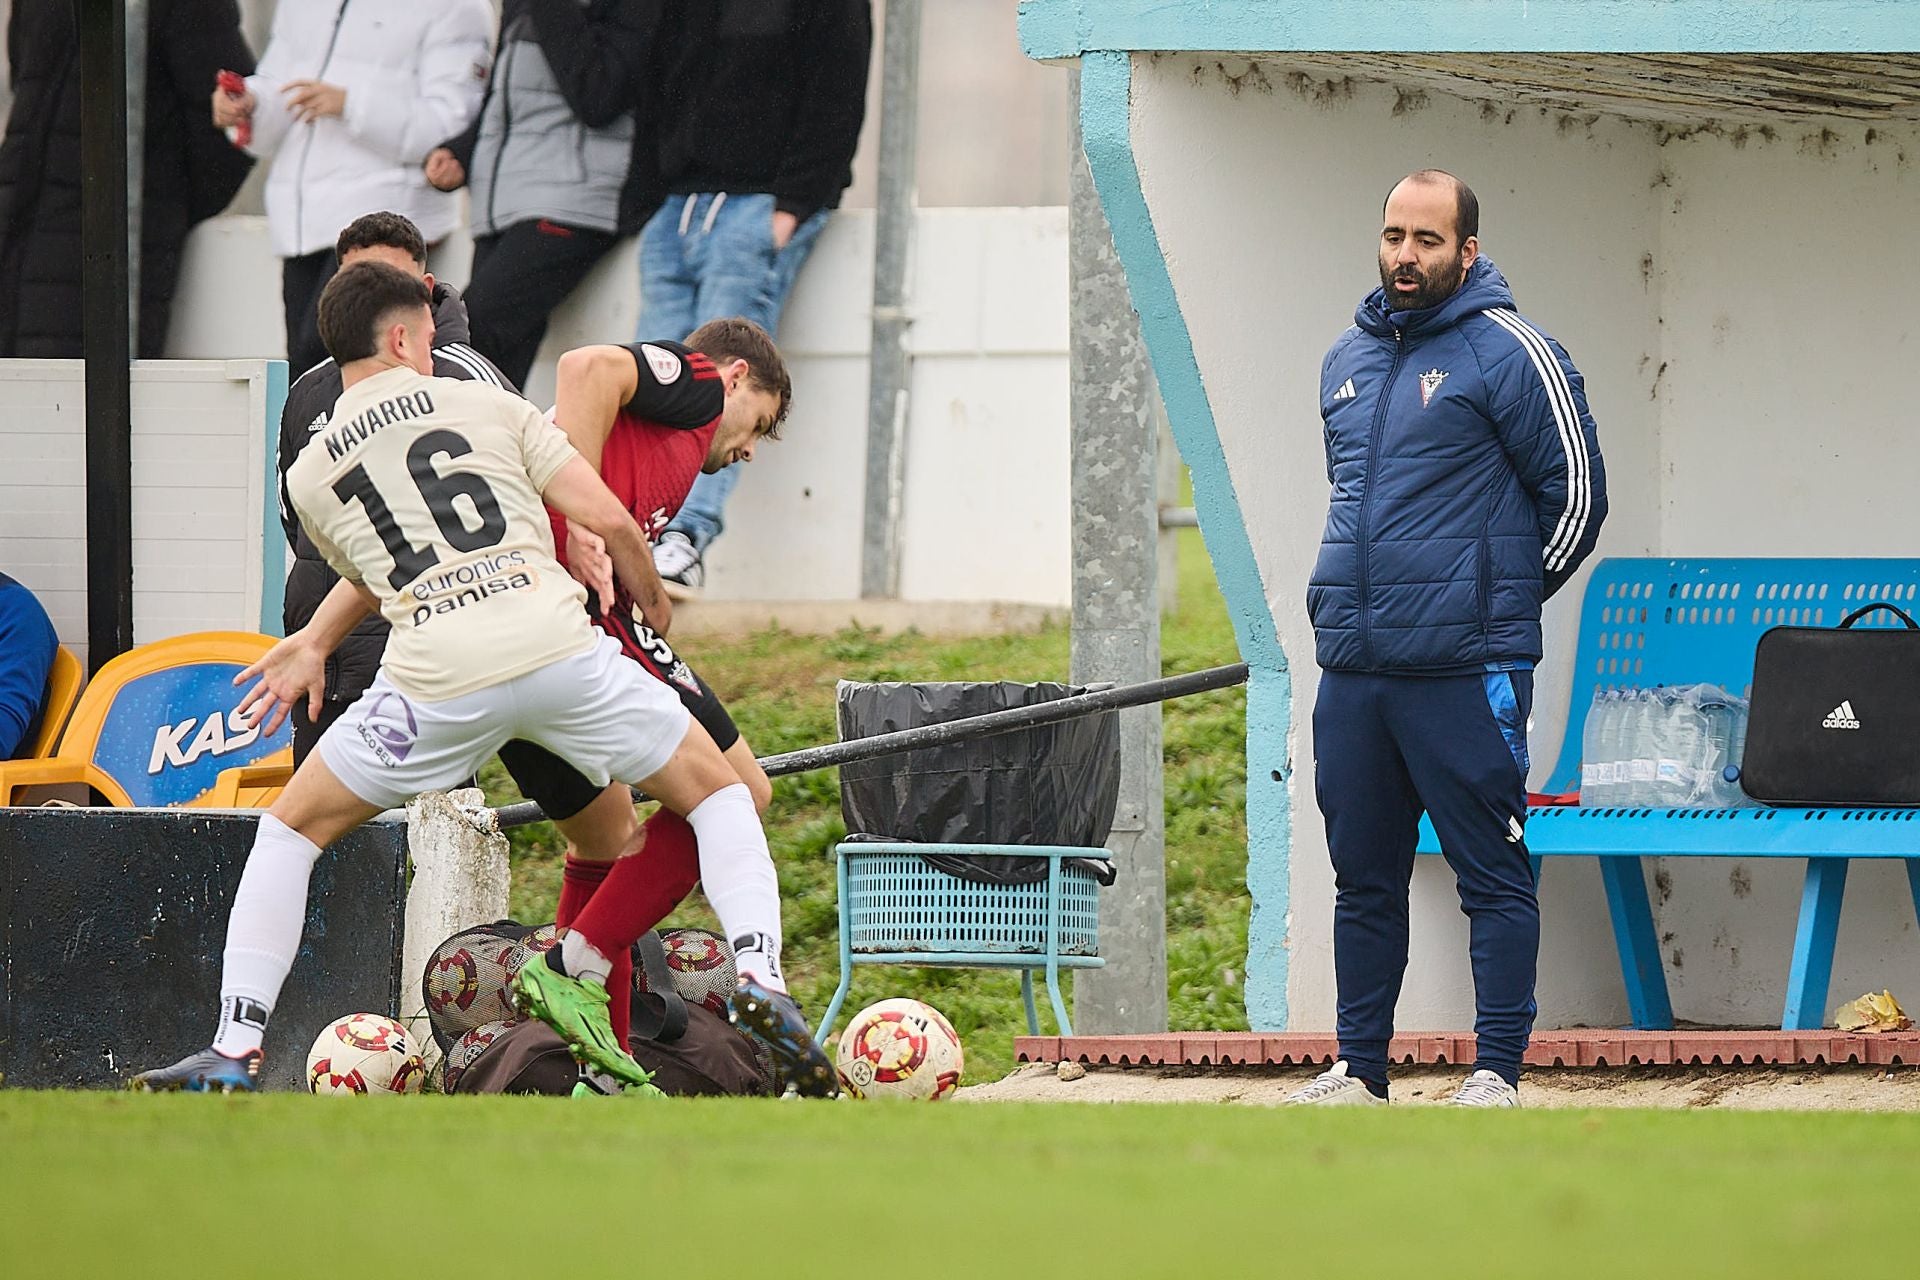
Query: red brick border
pixel 1572 1048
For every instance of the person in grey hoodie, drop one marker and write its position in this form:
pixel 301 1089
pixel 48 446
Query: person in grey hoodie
pixel 550 163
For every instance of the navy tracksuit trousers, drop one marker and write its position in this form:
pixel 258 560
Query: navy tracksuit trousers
pixel 1387 748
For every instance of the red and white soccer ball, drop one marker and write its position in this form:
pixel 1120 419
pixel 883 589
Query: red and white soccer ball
pixel 364 1053
pixel 900 1049
pixel 702 965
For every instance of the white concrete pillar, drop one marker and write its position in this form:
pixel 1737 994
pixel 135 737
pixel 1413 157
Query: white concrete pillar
pixel 460 878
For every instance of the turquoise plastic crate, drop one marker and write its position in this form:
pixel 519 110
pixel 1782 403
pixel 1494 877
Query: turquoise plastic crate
pixel 899 902
pixel 896 908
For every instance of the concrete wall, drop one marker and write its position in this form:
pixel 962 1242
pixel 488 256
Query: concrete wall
pixel 986 495
pixel 1785 416
pixel 1694 279
pixel 200 491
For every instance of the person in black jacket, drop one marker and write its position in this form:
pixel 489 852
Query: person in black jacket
pixel 188 172
pixel 551 163
pixel 392 239
pixel 760 107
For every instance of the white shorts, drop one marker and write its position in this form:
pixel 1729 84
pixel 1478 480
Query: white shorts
pixel 598 710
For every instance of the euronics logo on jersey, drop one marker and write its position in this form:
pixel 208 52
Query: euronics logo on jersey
pixel 454 589
pixel 169 734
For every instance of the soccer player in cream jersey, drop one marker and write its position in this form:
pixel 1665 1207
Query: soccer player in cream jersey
pixel 426 495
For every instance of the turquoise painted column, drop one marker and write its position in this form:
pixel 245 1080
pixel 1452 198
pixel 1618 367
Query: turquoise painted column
pixel 1106 129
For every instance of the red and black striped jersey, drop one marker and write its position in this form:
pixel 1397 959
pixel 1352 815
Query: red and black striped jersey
pixel 660 438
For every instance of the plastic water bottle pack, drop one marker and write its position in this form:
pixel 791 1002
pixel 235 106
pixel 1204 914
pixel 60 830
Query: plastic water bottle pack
pixel 1674 746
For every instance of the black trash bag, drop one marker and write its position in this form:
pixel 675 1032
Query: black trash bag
pixel 1052 784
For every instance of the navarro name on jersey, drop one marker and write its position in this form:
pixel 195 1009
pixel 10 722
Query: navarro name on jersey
pixel 415 404
pixel 455 589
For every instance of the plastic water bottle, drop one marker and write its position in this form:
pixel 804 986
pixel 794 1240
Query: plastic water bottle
pixel 1606 752
pixel 1711 787
pixel 1596 768
pixel 1637 737
pixel 1672 739
pixel 1620 744
pixel 1692 744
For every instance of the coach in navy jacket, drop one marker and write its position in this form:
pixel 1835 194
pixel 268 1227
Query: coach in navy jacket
pixel 1467 488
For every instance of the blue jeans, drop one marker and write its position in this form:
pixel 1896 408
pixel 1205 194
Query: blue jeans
pixel 703 257
pixel 1387 747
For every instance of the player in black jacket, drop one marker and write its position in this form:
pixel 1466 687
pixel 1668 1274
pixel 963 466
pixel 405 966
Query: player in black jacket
pixel 389 238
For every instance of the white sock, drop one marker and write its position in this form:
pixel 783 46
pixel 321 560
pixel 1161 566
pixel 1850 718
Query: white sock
pixel 582 959
pixel 737 872
pixel 263 933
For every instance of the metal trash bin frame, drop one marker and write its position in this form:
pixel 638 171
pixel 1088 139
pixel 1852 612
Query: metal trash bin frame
pixel 896 908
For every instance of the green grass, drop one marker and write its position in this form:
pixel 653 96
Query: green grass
pixel 291 1186
pixel 780 686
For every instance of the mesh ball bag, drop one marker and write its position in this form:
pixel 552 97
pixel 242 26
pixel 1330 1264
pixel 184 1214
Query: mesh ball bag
pixel 469 975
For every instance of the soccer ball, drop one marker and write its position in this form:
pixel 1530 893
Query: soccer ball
pixel 467 1050
pixel 900 1049
pixel 702 965
pixel 364 1053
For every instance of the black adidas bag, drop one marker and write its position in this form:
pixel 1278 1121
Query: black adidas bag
pixel 1836 715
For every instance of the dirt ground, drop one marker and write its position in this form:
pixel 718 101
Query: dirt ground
pixel 1794 1088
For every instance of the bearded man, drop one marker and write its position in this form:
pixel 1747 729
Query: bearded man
pixel 1467 488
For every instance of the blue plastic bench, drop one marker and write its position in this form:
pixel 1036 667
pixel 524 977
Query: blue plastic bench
pixel 1651 622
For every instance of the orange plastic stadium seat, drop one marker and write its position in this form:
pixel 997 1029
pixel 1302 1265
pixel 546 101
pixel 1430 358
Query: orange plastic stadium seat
pixel 156 727
pixel 63 689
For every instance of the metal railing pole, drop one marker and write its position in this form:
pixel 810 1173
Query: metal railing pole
pixel 967 729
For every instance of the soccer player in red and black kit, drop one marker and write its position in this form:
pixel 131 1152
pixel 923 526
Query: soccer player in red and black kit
pixel 652 416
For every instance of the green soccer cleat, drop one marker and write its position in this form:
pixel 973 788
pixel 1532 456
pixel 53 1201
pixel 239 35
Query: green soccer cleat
pixel 577 1011
pixel 594 1085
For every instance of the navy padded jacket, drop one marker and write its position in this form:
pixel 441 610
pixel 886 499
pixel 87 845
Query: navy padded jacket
pixel 1467 484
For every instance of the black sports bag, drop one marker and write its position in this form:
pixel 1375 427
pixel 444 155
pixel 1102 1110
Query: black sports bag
pixel 1836 715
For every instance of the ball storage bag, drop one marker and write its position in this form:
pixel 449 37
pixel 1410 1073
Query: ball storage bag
pixel 1835 715
pixel 679 1026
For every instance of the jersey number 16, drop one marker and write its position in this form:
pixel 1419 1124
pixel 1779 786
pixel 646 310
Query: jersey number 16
pixel 438 491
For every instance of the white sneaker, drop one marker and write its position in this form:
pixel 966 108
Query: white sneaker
pixel 1484 1089
pixel 1335 1088
pixel 678 562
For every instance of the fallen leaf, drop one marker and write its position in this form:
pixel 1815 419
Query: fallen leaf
pixel 1872 1014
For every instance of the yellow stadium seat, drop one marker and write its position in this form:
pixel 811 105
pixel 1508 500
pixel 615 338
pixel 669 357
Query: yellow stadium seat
pixel 63 689
pixel 156 727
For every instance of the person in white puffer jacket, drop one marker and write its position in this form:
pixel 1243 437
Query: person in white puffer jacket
pixel 349 98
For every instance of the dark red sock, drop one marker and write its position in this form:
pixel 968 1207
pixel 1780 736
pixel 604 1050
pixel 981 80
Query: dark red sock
pixel 578 884
pixel 643 887
pixel 620 995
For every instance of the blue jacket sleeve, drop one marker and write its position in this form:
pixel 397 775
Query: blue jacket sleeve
pixel 27 643
pixel 1539 409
